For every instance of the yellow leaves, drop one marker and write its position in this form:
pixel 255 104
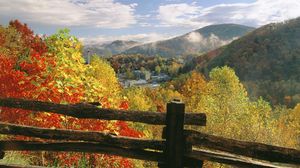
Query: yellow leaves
pixel 53 127
pixel 21 82
pixel 224 79
pixel 48 114
pixel 231 114
pixel 70 71
pixel 63 118
pixel 138 100
pixel 297 109
pixel 115 132
pixel 101 81
pixel 195 84
pixel 38 119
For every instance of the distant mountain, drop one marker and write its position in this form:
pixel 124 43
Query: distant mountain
pixel 198 41
pixel 109 49
pixel 267 60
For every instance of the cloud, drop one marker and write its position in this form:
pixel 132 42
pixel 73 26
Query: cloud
pixel 256 13
pixel 144 38
pixel 194 37
pixel 213 40
pixel 181 14
pixel 90 13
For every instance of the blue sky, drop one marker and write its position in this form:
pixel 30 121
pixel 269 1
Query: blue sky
pixel 98 21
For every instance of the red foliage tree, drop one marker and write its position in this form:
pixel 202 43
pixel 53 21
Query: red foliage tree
pixel 27 76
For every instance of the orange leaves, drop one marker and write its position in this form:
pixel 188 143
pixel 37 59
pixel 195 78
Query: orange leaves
pixel 2 39
pixel 124 130
pixel 22 28
pixel 195 84
pixel 31 41
pixel 14 83
pixel 52 69
pixel 124 105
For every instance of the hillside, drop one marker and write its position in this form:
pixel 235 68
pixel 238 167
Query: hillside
pixel 198 41
pixel 267 60
pixel 109 49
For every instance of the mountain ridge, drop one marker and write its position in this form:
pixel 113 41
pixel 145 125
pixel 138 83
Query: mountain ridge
pixel 197 41
pixel 109 49
pixel 267 60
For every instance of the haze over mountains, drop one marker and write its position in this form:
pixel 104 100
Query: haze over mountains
pixel 195 42
pixel 198 41
pixel 267 60
pixel 109 49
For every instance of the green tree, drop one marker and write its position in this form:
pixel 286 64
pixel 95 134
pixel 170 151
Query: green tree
pixel 157 69
pixel 129 74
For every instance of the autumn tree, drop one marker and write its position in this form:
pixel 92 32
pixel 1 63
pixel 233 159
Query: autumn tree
pixel 102 80
pixel 230 112
pixel 138 100
pixel 288 124
pixel 53 69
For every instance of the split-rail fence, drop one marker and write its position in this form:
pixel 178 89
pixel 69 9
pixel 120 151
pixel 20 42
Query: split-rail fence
pixel 178 147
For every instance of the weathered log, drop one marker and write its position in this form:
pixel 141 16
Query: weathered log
pixel 250 149
pixel 88 147
pixel 2 165
pixel 94 147
pixel 85 110
pixel 75 135
pixel 235 160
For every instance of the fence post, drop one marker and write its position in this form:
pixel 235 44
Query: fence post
pixel 192 163
pixel 174 151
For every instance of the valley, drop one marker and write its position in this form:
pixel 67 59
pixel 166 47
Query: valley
pixel 115 83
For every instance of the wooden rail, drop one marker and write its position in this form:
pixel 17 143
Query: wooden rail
pixel 250 149
pixel 87 147
pixel 180 147
pixel 75 135
pixel 235 160
pixel 94 147
pixel 88 111
pixel 18 166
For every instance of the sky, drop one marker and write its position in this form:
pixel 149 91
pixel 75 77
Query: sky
pixel 100 21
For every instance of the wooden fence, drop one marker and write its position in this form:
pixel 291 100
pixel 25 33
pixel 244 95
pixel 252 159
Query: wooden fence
pixel 177 148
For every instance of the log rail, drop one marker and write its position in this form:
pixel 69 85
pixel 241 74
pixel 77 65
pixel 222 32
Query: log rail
pixel 88 111
pixel 189 147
